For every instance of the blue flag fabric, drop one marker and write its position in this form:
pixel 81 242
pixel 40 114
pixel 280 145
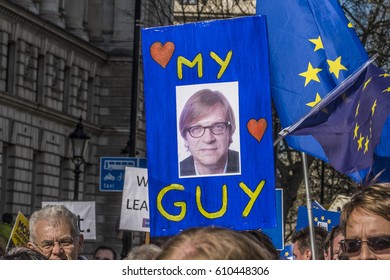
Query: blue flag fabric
pixel 316 205
pixel 287 253
pixel 321 218
pixel 312 50
pixel 349 124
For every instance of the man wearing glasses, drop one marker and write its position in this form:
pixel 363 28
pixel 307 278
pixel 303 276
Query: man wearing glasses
pixel 207 124
pixel 54 232
pixel 365 222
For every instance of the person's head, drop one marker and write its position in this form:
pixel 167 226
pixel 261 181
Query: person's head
pixel 365 222
pixel 7 218
pixel 209 243
pixel 23 253
pixel 3 246
pixel 332 241
pixel 302 246
pixel 264 241
pixel 144 252
pixel 104 253
pixel 207 124
pixel 54 232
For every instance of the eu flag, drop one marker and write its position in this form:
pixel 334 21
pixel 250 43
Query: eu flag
pixel 312 48
pixel 349 123
pixel 321 218
pixel 287 253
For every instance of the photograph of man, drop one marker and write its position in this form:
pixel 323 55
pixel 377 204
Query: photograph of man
pixel 207 124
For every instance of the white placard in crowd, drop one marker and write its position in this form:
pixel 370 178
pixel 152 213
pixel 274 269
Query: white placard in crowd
pixel 85 211
pixel 135 200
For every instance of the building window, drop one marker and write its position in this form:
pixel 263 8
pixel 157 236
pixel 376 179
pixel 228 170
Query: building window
pixel 40 79
pixel 4 189
pixel 90 103
pixel 189 2
pixel 66 93
pixel 11 60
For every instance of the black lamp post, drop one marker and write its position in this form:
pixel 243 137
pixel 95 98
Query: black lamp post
pixel 130 149
pixel 79 139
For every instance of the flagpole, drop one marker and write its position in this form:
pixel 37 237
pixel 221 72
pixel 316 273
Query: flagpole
pixel 308 203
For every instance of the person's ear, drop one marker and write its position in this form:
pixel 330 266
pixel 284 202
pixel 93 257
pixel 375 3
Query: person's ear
pixel 327 255
pixel 308 254
pixel 30 245
pixel 81 242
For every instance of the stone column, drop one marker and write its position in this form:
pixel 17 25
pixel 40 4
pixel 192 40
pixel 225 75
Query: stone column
pixel 95 20
pixel 27 4
pixel 53 11
pixel 123 21
pixel 76 18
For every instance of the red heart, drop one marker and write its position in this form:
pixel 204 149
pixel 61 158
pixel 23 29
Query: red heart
pixel 257 128
pixel 162 54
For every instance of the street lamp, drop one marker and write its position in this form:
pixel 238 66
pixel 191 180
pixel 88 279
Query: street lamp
pixel 79 139
pixel 126 150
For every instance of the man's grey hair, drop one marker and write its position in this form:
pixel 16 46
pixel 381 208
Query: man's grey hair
pixel 53 214
pixel 144 252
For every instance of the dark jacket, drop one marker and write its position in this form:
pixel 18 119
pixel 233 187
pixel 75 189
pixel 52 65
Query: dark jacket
pixel 187 167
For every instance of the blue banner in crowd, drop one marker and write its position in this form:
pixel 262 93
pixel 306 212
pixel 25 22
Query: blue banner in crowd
pixel 208 123
pixel 287 253
pixel 321 218
pixel 277 233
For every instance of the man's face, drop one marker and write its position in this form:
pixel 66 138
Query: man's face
pixel 55 241
pixel 362 225
pixel 297 253
pixel 336 247
pixel 104 254
pixel 209 151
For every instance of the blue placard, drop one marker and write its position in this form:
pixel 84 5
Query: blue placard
pixel 112 171
pixel 287 253
pixel 277 233
pixel 208 123
pixel 321 218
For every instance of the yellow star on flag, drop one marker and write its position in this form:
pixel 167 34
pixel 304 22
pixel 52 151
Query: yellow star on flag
pixel 315 102
pixel 357 109
pixel 384 75
pixel 355 134
pixel 311 74
pixel 360 142
pixel 373 107
pixel 329 221
pixel 335 66
pixel 366 83
pixel 322 218
pixel 366 144
pixel 318 43
pixel 315 219
pixel 350 25
pixel 387 90
pixel 286 254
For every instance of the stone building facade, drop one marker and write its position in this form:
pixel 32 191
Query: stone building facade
pixel 59 60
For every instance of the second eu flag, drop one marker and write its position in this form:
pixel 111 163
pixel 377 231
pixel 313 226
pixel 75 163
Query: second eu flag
pixel 313 48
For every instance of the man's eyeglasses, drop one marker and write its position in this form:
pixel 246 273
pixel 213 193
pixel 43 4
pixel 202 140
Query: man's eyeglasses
pixel 47 246
pixel 216 129
pixel 377 243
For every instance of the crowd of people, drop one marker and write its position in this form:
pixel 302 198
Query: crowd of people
pixel 362 234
